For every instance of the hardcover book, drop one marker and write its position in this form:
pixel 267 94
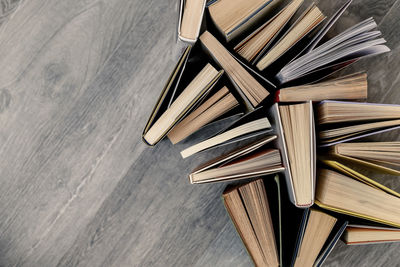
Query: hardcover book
pixel 256 159
pixel 343 194
pixel 294 126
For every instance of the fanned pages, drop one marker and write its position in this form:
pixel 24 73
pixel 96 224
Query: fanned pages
pixel 380 156
pixel 318 227
pixel 301 28
pixel 233 17
pixel 338 111
pixel 360 40
pixel 264 161
pixel 255 159
pixel 249 210
pixel 347 131
pixel 341 168
pixel 316 39
pixel 200 84
pixel 357 120
pixel 217 105
pixel 298 129
pixel 246 83
pixel 190 21
pixel 249 127
pixel 365 234
pixel 255 42
pixel 349 87
pixel 345 195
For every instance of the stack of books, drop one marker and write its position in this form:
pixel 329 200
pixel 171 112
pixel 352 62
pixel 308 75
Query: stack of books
pixel 265 73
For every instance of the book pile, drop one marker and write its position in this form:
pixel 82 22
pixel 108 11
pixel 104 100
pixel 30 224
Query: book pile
pixel 263 73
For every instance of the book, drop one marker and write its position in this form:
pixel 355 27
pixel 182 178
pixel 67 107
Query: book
pixel 168 91
pixel 306 45
pixel 320 34
pixel 191 62
pixel 314 232
pixel 253 160
pixel 363 39
pixel 349 87
pixel 350 131
pixel 346 170
pixel 233 17
pixel 308 21
pixel 380 156
pixel 346 195
pixel 256 122
pixel 249 211
pixel 191 15
pixel 242 79
pixel 218 104
pixel 281 143
pixel 254 43
pixel 366 234
pixel 191 94
pixel 298 131
pixel 355 120
pixel 341 111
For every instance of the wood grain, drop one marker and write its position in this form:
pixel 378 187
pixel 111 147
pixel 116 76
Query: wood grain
pixel 78 80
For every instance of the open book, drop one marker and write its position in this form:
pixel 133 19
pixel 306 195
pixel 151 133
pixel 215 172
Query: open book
pixel 249 210
pixel 346 170
pixel 192 93
pixel 296 139
pixel 340 193
pixel 346 121
pixel 358 41
pixel 349 87
pixel 240 77
pixel 255 159
pixel 308 21
pixel 356 234
pixel 252 124
pixel 209 106
pixel 380 156
pixel 257 41
pixel 304 34
pixel 218 104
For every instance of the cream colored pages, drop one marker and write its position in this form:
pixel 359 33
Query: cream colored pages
pixel 258 41
pixel 220 103
pixel 191 92
pixel 349 87
pixel 318 228
pixel 191 19
pixel 296 123
pixel 340 192
pixel 227 14
pixel 308 22
pixel 250 87
pixel 249 127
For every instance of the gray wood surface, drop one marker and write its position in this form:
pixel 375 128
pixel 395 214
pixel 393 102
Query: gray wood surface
pixel 78 80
